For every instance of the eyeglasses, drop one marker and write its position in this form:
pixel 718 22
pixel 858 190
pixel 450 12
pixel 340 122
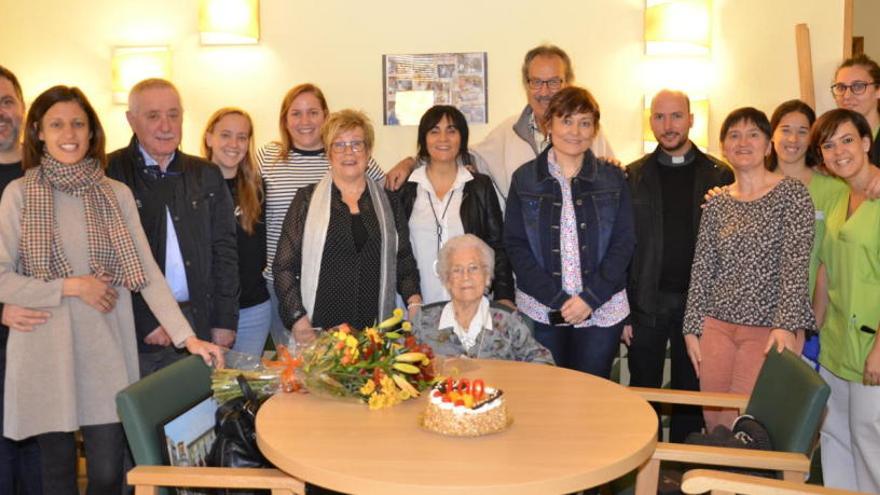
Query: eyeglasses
pixel 356 146
pixel 856 88
pixel 552 84
pixel 459 272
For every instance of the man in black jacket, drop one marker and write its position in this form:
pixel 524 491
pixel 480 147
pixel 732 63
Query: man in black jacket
pixel 187 215
pixel 667 187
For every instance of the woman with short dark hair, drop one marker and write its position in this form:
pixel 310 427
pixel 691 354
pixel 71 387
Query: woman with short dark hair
pixel 848 310
pixel 569 234
pixel 444 199
pixel 748 291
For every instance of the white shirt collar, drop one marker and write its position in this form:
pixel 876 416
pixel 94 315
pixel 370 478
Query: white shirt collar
pixel 481 320
pixel 420 177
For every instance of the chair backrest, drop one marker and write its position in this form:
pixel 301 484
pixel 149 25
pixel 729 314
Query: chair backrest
pixel 145 405
pixel 789 400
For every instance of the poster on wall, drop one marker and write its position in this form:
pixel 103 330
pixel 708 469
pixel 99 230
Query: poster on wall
pixel 415 83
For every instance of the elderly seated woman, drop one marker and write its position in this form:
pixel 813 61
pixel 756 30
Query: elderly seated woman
pixel 468 324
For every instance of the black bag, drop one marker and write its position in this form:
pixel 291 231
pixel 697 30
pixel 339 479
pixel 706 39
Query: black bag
pixel 747 433
pixel 236 434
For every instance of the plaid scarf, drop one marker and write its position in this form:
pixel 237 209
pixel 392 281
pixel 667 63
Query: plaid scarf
pixel 111 249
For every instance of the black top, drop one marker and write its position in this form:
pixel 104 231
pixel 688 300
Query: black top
pixel 193 191
pixel 251 255
pixel 348 284
pixel 8 173
pixel 679 238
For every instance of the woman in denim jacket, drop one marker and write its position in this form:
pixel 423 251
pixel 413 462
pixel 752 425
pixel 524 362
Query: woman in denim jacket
pixel 569 235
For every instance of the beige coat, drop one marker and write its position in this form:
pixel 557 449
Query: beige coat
pixel 66 373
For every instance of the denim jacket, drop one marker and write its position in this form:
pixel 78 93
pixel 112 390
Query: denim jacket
pixel 605 230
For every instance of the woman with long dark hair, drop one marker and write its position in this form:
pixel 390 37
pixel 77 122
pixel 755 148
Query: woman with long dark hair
pixel 71 243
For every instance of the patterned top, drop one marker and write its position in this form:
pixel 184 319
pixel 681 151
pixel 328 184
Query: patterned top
pixel 284 177
pixel 752 259
pixel 508 338
pixel 610 313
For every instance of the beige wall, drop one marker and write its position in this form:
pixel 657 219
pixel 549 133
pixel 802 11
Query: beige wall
pixel 866 23
pixel 338 44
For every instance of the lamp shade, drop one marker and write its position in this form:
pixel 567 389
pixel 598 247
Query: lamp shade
pixel 677 27
pixel 229 22
pixel 132 64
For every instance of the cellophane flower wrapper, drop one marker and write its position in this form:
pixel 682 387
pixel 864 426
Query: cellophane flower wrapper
pixel 381 365
pixel 264 380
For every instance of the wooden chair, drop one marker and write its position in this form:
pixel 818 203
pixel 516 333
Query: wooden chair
pixel 699 481
pixel 789 399
pixel 145 405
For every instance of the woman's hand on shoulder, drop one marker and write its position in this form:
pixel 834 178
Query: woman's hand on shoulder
pixel 711 193
pixel 212 354
pixel 95 291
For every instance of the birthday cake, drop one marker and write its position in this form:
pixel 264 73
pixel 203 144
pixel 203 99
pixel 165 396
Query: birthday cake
pixel 465 409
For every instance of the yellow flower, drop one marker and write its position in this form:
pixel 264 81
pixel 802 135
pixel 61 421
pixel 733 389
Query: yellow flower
pixel 368 388
pixel 406 326
pixel 373 335
pixel 350 341
pixel 376 401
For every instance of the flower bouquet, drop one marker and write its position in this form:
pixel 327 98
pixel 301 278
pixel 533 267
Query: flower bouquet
pixel 381 365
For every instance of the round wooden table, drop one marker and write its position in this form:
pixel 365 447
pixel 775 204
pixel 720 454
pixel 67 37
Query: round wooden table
pixel 570 431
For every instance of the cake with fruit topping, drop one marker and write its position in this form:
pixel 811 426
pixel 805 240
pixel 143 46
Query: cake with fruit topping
pixel 465 409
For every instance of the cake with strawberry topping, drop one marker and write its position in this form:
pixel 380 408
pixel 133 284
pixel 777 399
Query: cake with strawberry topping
pixel 465 409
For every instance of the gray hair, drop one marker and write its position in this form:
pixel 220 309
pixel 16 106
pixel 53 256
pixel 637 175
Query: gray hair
pixel 466 241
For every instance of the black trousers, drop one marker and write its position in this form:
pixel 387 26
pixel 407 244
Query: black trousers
pixel 104 446
pixel 647 354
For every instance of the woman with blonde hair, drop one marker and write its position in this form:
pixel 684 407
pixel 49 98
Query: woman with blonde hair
pixel 296 160
pixel 344 250
pixel 228 142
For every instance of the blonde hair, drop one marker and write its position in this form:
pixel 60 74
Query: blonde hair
pixel 249 184
pixel 292 94
pixel 347 120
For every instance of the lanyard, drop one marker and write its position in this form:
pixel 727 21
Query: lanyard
pixel 442 217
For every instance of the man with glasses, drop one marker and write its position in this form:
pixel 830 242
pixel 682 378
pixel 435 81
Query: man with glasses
pixel 546 69
pixel 187 215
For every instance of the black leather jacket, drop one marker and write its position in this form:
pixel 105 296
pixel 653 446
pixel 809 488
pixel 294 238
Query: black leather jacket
pixel 647 261
pixel 481 216
pixel 201 207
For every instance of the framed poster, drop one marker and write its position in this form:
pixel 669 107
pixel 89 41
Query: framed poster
pixel 415 83
pixel 188 437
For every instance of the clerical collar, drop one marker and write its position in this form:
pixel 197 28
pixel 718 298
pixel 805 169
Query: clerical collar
pixel 677 161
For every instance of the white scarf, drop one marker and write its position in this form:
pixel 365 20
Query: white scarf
pixel 315 235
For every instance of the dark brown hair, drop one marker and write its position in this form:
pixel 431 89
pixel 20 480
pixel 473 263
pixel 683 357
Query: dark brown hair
pixel 34 146
pixel 831 120
pixel 9 75
pixel 431 118
pixel 569 101
pixel 791 106
pixel 866 63
pixel 749 115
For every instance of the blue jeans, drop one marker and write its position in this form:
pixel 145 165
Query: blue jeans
pixel 590 349
pixel 253 328
pixel 280 334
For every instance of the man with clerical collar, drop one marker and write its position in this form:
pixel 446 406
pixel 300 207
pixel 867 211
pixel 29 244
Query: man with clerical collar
pixel 667 187
pixel 19 460
pixel 187 215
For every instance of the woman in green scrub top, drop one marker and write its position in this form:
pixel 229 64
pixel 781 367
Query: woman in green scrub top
pixel 848 307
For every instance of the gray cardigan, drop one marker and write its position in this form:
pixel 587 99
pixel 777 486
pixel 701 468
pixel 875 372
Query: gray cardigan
pixel 66 373
pixel 510 337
